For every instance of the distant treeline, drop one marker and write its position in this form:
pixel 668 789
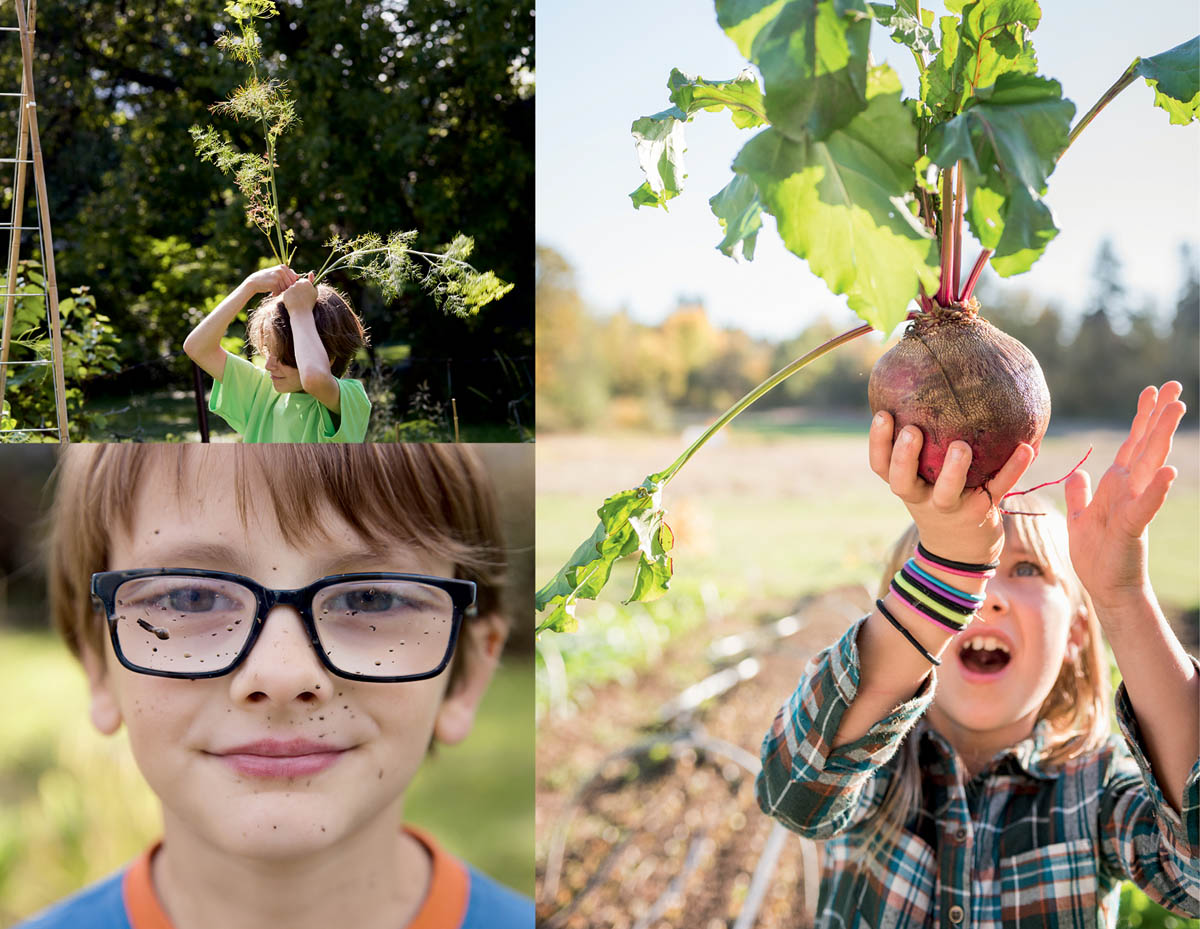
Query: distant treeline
pixel 593 368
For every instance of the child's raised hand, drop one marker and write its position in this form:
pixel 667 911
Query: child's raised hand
pixel 301 294
pixel 1108 531
pixel 273 281
pixel 952 522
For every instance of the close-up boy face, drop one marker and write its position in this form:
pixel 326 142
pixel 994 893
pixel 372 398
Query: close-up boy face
pixel 285 378
pixel 280 756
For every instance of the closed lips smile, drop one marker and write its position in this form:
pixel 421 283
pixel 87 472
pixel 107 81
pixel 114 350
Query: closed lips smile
pixel 272 758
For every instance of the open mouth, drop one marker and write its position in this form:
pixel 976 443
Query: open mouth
pixel 984 655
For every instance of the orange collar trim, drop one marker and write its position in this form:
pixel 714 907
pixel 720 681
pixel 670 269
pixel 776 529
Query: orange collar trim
pixel 444 907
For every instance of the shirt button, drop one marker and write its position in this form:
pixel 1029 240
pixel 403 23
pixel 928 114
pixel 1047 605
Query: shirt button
pixel 956 914
pixel 961 835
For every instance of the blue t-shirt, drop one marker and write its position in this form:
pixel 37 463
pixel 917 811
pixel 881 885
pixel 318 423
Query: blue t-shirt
pixel 126 900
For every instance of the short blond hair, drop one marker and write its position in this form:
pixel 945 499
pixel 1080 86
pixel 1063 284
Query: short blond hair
pixel 435 498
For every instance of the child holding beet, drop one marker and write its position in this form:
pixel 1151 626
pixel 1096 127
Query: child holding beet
pixel 308 335
pixel 954 746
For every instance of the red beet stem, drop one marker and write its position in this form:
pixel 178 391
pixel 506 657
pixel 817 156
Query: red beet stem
pixel 947 236
pixel 958 224
pixel 980 264
pixel 1018 493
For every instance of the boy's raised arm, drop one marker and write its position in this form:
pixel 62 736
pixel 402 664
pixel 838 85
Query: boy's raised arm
pixel 312 360
pixel 203 344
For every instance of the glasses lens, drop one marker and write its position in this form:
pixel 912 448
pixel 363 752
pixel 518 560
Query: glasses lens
pixel 184 625
pixel 384 628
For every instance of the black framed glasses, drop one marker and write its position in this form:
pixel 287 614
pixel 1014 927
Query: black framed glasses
pixel 188 623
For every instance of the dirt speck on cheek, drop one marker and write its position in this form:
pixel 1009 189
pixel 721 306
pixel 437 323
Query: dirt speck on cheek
pixel 380 775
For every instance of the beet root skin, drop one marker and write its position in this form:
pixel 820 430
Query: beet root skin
pixel 956 376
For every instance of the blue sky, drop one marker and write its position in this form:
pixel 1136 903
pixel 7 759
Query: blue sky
pixel 1130 177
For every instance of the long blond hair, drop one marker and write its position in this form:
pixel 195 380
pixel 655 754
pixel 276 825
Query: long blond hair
pixel 1077 709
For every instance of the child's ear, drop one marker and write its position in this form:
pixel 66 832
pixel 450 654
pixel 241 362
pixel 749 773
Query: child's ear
pixel 483 640
pixel 105 710
pixel 1078 632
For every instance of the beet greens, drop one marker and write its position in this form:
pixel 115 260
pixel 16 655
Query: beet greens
pixel 871 189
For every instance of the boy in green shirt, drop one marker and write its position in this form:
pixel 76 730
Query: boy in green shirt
pixel 308 336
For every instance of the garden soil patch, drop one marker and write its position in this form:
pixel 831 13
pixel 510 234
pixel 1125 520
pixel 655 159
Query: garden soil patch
pixel 669 833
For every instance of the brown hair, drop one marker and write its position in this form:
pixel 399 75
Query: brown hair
pixel 436 498
pixel 270 329
pixel 1077 707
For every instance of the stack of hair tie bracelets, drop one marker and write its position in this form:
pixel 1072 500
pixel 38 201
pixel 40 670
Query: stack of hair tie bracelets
pixel 937 601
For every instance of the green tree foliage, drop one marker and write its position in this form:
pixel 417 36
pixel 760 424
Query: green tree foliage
pixel 415 115
pixel 88 349
pixel 572 381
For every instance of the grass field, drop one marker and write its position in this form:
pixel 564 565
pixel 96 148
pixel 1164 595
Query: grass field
pixel 73 807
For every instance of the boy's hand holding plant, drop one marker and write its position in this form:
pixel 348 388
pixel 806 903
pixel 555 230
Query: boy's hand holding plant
pixel 301 295
pixel 274 280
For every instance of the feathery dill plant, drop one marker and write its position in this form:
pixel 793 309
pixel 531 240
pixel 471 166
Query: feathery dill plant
pixel 389 263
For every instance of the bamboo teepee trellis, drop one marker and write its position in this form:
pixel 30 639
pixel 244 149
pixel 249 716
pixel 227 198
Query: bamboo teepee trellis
pixel 29 144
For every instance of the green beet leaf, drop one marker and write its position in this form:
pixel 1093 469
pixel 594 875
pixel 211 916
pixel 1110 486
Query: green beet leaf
pixel 630 521
pixel 1175 77
pixel 1008 143
pixel 738 208
pixel 909 26
pixel 812 55
pixel 660 146
pixel 841 204
pixel 742 97
pixel 748 22
pixel 991 39
pixel 659 139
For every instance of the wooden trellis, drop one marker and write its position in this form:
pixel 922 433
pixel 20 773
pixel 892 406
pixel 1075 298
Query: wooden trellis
pixel 29 152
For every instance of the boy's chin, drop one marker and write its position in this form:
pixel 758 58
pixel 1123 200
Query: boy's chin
pixel 284 834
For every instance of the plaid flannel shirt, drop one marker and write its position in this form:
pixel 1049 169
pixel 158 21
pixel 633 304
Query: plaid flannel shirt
pixel 1016 845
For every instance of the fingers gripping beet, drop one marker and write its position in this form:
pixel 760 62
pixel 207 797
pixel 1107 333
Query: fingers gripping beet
pixel 956 376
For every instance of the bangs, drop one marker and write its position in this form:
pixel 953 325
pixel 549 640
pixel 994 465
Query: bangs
pixel 1040 528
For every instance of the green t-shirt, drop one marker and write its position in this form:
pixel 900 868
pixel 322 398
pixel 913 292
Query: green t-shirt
pixel 245 398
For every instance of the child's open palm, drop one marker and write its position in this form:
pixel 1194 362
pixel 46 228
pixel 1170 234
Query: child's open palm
pixel 1108 530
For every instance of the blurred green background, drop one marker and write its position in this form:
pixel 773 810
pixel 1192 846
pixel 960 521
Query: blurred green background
pixel 73 807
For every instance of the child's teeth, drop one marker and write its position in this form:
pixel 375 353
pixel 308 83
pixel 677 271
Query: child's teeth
pixel 987 642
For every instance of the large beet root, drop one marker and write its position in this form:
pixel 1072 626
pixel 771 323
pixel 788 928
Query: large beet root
pixel 956 376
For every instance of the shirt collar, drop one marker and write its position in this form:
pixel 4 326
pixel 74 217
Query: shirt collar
pixel 1027 755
